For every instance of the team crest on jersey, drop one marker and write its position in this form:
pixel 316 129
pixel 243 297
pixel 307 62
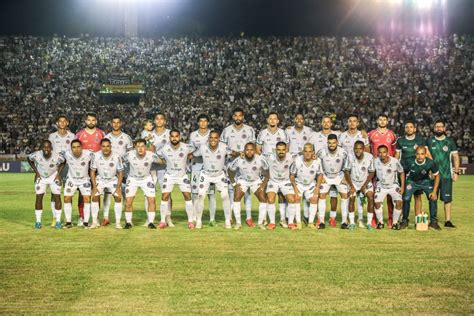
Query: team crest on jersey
pixel 389 170
pixel 409 187
pixel 201 185
pixel 311 171
pixel 278 139
pixel 181 154
pixel 127 191
pixel 338 160
pixel 68 141
pixel 445 148
pixel 120 142
pixel 146 164
pixel 83 163
pixel 218 156
pixel 194 187
pixel 363 168
pixel 305 138
pixel 244 136
pixel 389 139
pixel 51 165
pixel 254 168
pixel 285 166
pixel 423 171
pixel 111 164
pixel 415 146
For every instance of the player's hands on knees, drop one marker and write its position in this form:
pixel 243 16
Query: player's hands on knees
pixel 118 192
pixel 433 196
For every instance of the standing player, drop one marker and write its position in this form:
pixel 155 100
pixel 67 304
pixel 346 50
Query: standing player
pixel 90 138
pixel 383 136
pixel 235 136
pixel 106 176
pixel 78 162
pixel 405 152
pixel 362 172
pixel 266 145
pixel 213 156
pixel 420 172
pixel 279 165
pixel 121 143
pixel 334 162
pixel 249 170
pixel 306 178
pixel 445 155
pixel 388 170
pixel 347 140
pixel 47 166
pixel 197 139
pixel 61 141
pixel 139 163
pixel 175 156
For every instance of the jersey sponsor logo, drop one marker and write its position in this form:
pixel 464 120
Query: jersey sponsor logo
pixel 423 171
pixel 83 163
pixel 51 165
pixel 389 170
pixel 285 166
pixel 305 138
pixel 409 187
pixel 311 171
pixel 163 141
pixel 278 139
pixel 218 156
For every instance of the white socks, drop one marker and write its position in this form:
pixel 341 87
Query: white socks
pixel 107 198
pixel 237 215
pixel 226 205
pixel 262 213
pixel 118 212
pixel 370 216
pixel 297 207
pixel 128 217
pixel 68 212
pixel 212 207
pixel 282 207
pixel 163 211
pixel 189 210
pixel 291 213
pixel 87 212
pixel 351 218
pixel 95 212
pixel 360 210
pixel 396 215
pixel 151 216
pixel 53 209
pixel 38 215
pixel 322 210
pixel 313 208
pixel 271 209
pixel 379 214
pixel 344 210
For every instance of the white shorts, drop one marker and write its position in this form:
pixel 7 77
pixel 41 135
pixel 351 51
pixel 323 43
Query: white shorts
pixel 147 185
pixel 306 191
pixel 104 186
pixel 72 185
pixel 357 186
pixel 381 193
pixel 333 192
pixel 285 187
pixel 249 185
pixel 42 184
pixel 221 182
pixel 195 175
pixel 338 183
pixel 169 182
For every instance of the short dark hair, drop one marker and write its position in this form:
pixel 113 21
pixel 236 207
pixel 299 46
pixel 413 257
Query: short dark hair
pixel 175 130
pixel 280 143
pixel 203 116
pixel 382 115
pixel 76 141
pixel 410 122
pixel 440 121
pixel 46 141
pixel 91 114
pixel 299 113
pixel 160 113
pixel 214 131
pixel 332 136
pixel 61 116
pixel 116 117
pixel 104 140
pixel 359 142
pixel 382 146
pixel 250 144
pixel 238 110
pixel 140 140
pixel 353 115
pixel 273 113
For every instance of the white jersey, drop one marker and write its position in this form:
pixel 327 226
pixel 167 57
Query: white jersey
pixel 139 166
pixel 46 166
pixel 387 173
pixel 106 167
pixel 249 170
pixel 347 140
pixel 360 168
pixel 279 169
pixel 147 135
pixel 333 164
pixel 120 144
pixel 305 173
pixel 196 140
pixel 320 140
pixel 176 158
pixel 78 166
pixel 159 140
pixel 268 140
pixel 213 160
pixel 297 138
pixel 236 139
pixel 61 143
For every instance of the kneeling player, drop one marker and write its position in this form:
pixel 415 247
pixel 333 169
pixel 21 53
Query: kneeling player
pixel 306 178
pixel 388 169
pixel 106 177
pixel 362 172
pixel 249 169
pixel 47 166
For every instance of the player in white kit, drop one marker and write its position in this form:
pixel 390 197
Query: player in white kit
pixel 245 174
pixel 388 170
pixel 196 139
pixel 266 145
pixel 106 177
pixel 306 176
pixel 47 166
pixel 334 162
pixel 175 155
pixel 362 171
pixel 214 156
pixel 78 162
pixel 139 163
pixel 235 136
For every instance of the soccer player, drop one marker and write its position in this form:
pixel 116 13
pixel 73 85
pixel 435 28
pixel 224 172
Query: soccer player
pixel 61 141
pixel 334 162
pixel 235 136
pixel 47 166
pixel 362 171
pixel 90 138
pixel 197 139
pixel 405 152
pixel 279 166
pixel 121 143
pixel 175 156
pixel 306 178
pixel 419 176
pixel 383 136
pixel 444 153
pixel 388 169
pixel 266 145
pixel 249 169
pixel 78 161
pixel 139 163
pixel 106 172
pixel 213 157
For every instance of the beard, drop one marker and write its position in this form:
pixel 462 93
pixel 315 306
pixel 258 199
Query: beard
pixel 174 143
pixel 90 126
pixel 237 122
pixel 439 134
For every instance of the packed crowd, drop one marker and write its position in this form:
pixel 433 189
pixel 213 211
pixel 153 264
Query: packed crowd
pixel 405 77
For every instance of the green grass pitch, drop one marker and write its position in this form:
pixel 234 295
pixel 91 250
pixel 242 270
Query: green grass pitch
pixel 216 271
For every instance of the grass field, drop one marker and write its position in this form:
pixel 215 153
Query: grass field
pixel 215 271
